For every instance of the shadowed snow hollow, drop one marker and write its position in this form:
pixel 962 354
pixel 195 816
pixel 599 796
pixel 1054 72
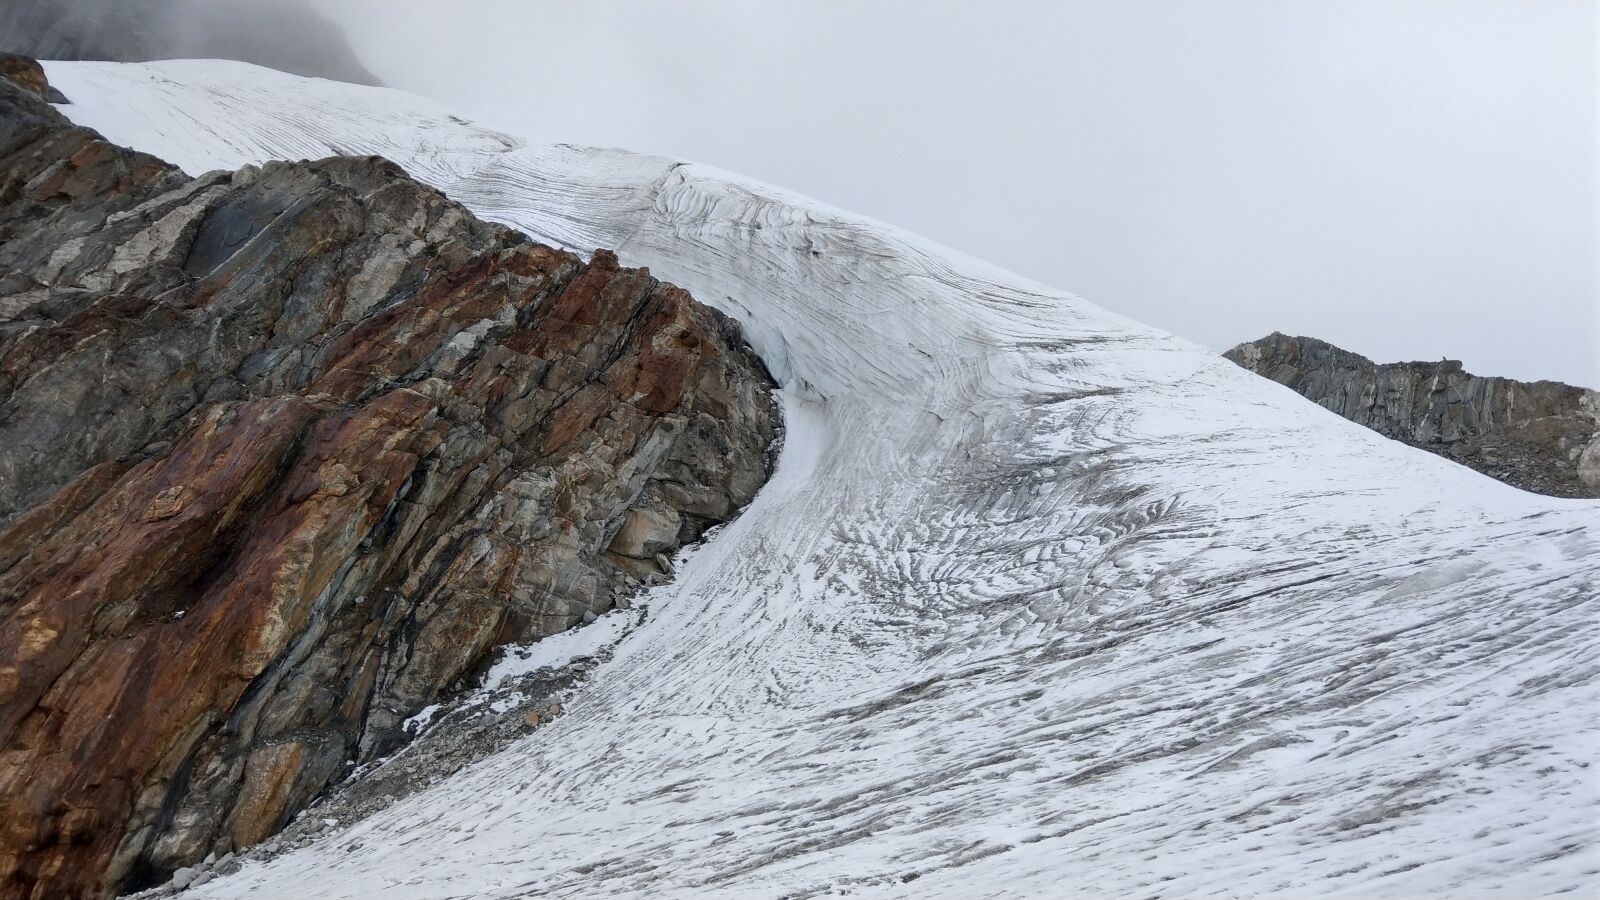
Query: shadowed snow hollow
pixel 1040 600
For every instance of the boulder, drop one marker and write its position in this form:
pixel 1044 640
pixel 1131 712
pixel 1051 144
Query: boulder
pixel 26 73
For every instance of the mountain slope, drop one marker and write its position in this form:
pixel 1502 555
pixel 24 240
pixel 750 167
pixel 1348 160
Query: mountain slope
pixel 1540 436
pixel 1038 601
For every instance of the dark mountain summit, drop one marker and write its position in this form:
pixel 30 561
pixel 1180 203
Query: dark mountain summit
pixel 1540 436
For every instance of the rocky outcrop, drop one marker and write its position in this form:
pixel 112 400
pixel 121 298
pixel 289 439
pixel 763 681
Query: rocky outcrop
pixel 288 35
pixel 1542 436
pixel 26 73
pixel 285 453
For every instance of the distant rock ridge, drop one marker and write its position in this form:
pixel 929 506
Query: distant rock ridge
pixel 285 454
pixel 1540 436
pixel 288 35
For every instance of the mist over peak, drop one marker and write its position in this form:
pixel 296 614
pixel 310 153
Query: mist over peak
pixel 290 35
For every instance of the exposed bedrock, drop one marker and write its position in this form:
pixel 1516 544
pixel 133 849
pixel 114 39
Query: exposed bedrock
pixel 285 453
pixel 1540 436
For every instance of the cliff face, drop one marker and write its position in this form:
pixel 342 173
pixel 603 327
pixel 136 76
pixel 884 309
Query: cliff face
pixel 285 453
pixel 288 35
pixel 1541 436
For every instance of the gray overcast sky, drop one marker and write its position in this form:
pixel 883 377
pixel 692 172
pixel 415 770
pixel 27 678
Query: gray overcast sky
pixel 1409 180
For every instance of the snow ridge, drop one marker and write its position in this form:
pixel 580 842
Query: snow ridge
pixel 1039 602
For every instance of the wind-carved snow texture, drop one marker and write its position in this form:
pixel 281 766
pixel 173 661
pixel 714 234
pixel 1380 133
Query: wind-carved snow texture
pixel 1040 601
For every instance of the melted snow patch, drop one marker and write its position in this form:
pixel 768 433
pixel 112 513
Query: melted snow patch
pixel 559 650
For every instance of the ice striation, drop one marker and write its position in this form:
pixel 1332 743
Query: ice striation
pixel 1040 601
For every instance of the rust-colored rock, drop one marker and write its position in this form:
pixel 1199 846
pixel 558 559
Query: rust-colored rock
pixel 285 453
pixel 26 73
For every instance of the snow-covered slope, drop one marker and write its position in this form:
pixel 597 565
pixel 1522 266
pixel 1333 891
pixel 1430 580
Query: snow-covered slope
pixel 1041 602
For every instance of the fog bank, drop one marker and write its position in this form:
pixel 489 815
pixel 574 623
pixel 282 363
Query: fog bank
pixel 288 35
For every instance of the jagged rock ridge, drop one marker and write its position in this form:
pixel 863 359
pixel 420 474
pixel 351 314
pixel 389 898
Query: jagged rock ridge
pixel 1540 436
pixel 284 454
pixel 289 35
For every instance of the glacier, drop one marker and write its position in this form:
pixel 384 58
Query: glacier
pixel 1039 602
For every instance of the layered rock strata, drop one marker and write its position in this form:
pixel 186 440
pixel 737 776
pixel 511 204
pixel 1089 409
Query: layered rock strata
pixel 285 454
pixel 1540 436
